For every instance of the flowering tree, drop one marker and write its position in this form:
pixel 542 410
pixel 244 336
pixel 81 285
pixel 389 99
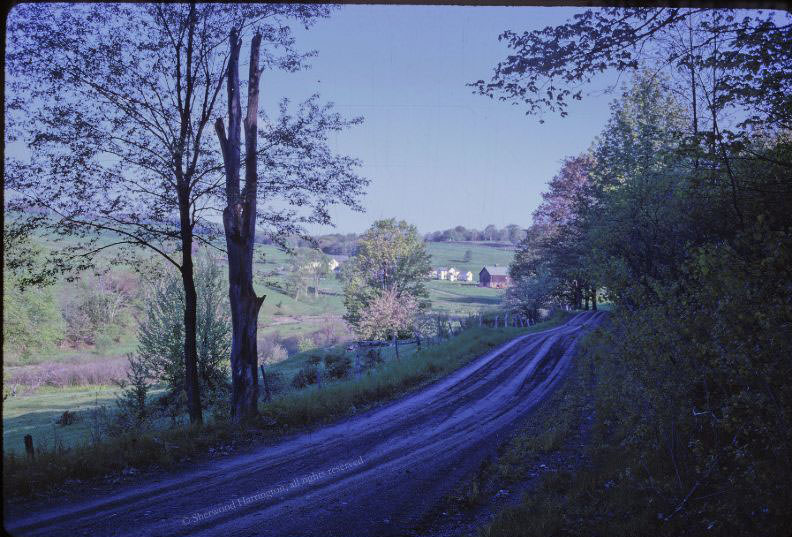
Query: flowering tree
pixel 391 257
pixel 387 315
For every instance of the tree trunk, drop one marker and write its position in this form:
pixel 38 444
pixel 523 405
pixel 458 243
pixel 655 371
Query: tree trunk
pixel 239 222
pixel 191 386
pixel 245 306
pixel 594 298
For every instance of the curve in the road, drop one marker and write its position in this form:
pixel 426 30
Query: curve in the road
pixel 375 474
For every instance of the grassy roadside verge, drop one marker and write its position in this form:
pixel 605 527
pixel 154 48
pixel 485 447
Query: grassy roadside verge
pixel 620 484
pixel 635 476
pixel 52 469
pixel 550 452
pixel 545 443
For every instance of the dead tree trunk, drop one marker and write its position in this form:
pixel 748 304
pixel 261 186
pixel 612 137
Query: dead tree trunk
pixel 239 222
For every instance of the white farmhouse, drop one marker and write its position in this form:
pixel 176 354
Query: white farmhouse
pixel 337 261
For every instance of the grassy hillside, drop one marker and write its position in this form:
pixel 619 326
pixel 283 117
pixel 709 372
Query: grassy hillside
pixel 284 322
pixel 452 254
pixel 460 298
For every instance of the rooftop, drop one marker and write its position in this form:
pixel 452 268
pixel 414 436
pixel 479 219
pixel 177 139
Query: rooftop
pixel 496 270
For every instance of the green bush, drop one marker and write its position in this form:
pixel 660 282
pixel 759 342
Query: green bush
pixel 306 376
pixel 337 365
pixel 161 332
pixel 32 322
pixel 373 358
pixel 99 312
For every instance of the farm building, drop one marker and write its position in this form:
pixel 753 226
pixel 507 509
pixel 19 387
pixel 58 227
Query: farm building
pixel 441 273
pixel 453 274
pixel 336 261
pixel 494 276
pixel 465 276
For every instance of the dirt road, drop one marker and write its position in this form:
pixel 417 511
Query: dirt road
pixel 376 474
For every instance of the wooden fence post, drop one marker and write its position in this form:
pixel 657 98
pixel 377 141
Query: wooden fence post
pixel 29 446
pixel 357 361
pixel 267 392
pixel 396 344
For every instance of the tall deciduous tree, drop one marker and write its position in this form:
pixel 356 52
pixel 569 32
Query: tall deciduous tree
pixel 300 169
pixel 239 222
pixel 690 235
pixel 113 101
pixel 391 257
pixel 723 64
pixel 556 242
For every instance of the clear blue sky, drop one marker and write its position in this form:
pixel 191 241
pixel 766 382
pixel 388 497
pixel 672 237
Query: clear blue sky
pixel 437 155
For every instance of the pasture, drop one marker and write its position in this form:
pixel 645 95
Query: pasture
pixel 284 321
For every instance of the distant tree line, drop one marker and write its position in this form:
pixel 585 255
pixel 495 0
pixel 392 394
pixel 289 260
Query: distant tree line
pixel 330 244
pixel 347 243
pixel 511 233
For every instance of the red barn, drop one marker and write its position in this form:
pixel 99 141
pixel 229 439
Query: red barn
pixel 496 276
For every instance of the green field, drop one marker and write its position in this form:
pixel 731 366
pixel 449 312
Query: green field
pixel 452 254
pixel 462 298
pixel 36 415
pixel 282 317
pixel 456 298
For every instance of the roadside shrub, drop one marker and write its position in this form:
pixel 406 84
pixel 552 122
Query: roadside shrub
pixel 337 366
pixel 134 391
pixel 305 377
pixel 373 358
